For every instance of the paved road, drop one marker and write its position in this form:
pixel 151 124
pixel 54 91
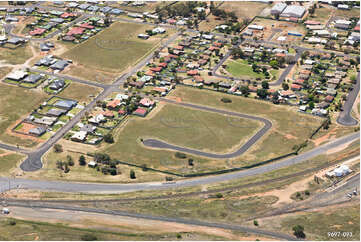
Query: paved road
pixel 33 161
pixel 162 145
pixel 117 188
pixel 101 85
pixel 13 148
pixel 154 218
pixel 345 117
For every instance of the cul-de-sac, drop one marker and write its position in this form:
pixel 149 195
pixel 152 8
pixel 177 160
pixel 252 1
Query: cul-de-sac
pixel 180 120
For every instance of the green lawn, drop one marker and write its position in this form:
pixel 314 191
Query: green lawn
pixel 289 127
pixel 240 68
pixel 114 49
pixel 16 103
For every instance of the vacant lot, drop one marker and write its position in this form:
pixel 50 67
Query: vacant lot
pixel 15 56
pixel 16 103
pixel 80 92
pixel 290 128
pixel 112 50
pixel 244 9
pixel 8 161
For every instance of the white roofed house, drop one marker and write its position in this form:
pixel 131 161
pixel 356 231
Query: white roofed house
pixel 342 24
pixel 158 30
pixel 256 27
pixel 79 136
pixel 17 75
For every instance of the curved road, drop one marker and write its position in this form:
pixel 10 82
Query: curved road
pixel 345 118
pixel 117 188
pixel 162 145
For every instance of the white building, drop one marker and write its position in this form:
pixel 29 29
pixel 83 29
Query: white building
pixel 294 11
pixel 278 8
pixel 256 27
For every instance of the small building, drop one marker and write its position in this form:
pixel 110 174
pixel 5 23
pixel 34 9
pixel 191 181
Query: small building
pixel 278 8
pixel 294 33
pixel 255 27
pixel 343 7
pixel 92 164
pixel 143 36
pixel 142 112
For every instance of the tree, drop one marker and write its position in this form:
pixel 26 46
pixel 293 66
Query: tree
pixel 298 231
pixel 275 97
pixel 190 162
pixel 245 90
pixel 70 160
pixel 311 105
pixel 88 237
pixel 82 160
pixel 274 64
pixel 265 85
pixel 285 86
pixel 262 93
pixel 255 222
pixel 132 174
pixel 353 79
pixel 109 138
pixel 58 148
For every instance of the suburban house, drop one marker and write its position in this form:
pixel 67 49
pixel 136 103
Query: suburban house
pixel 38 131
pixel 17 75
pixel 146 102
pixel 65 104
pixel 79 136
pixel 32 78
pixel 142 112
pixel 57 84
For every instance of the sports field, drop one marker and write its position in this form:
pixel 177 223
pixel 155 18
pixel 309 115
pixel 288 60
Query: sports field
pixel 289 128
pixel 112 50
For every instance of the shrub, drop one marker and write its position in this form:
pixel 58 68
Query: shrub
pixel 132 174
pixel 82 161
pixel 298 194
pixel 169 178
pixel 219 195
pixel 226 100
pixel 307 192
pixel 58 148
pixel 109 138
pixel 12 222
pixel 88 237
pixel 190 162
pixel 179 236
pixel 255 222
pixel 70 160
pixel 180 155
pixel 298 231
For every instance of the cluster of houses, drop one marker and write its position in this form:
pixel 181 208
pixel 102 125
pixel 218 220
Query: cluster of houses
pixel 24 78
pixel 107 115
pixel 46 21
pixel 331 37
pixel 187 60
pixel 83 30
pixel 54 63
pixel 49 117
pixel 155 31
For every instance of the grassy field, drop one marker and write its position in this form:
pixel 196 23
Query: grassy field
pixel 183 127
pixel 4 71
pixel 15 56
pixel 80 92
pixel 289 127
pixel 9 161
pixel 318 223
pixel 114 49
pixel 31 230
pixel 16 104
pixel 240 68
pixel 244 9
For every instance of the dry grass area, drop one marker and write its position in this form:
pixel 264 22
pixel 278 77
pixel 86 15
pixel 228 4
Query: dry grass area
pixel 244 9
pixel 80 92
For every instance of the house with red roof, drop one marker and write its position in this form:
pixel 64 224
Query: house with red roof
pixel 198 79
pixel 252 88
pixel 171 21
pixel 159 89
pixel 217 44
pixel 192 72
pixel 213 48
pixel 311 22
pixel 37 31
pixel 68 15
pixel 178 47
pixel 75 31
pixel 108 114
pixel 146 102
pixel 286 93
pixel 299 81
pixel 113 104
pixel 296 87
pixel 156 69
pixel 357 28
pixel 142 112
pixel 329 98
pixel 86 26
pixel 163 64
pixel 149 73
pixel 122 112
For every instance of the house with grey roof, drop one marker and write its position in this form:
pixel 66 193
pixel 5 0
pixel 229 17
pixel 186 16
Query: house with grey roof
pixel 38 131
pixel 59 65
pixel 32 78
pixel 56 112
pixel 65 104
pixel 57 84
